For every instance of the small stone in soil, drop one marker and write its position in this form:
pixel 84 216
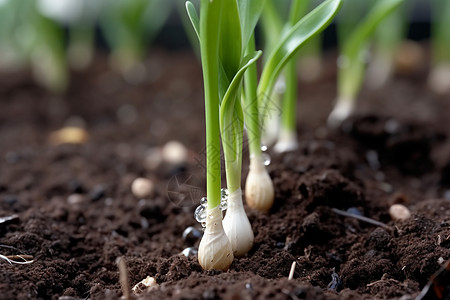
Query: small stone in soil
pixel 248 286
pixel 70 135
pixel 75 199
pixel 97 193
pixel 399 212
pixel 189 252
pixel 144 285
pixel 336 283
pixel 191 235
pixel 279 245
pixel 142 187
pixel 144 223
pixel 372 159
pixel 174 152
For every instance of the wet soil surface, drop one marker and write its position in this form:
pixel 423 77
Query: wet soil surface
pixel 70 207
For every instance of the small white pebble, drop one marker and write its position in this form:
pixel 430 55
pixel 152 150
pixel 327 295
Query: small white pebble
pixel 74 199
pixel 399 212
pixel 68 135
pixel 142 187
pixel 441 260
pixel 174 152
pixel 144 285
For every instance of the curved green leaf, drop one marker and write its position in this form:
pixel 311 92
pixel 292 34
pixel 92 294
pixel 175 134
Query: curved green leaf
pixel 233 89
pixel 302 31
pixel 361 35
pixel 231 115
pixel 271 25
pixel 193 16
pixel 249 12
pixel 351 70
pixel 230 40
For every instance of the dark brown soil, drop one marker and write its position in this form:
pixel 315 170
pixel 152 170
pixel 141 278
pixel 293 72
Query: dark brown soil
pixel 76 213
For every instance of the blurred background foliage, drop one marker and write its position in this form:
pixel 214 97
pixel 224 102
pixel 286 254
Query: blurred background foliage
pixel 52 37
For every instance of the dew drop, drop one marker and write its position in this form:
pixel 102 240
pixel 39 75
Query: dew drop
pixel 191 235
pixel 203 201
pixel 200 213
pixel 263 148
pixel 266 159
pixel 191 251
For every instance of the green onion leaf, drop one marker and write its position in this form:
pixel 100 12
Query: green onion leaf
pixel 302 31
pixel 193 16
pixel 352 68
pixel 250 12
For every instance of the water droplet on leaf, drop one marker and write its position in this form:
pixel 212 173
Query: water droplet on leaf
pixel 266 159
pixel 200 213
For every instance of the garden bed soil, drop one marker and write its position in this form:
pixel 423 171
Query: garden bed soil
pixel 75 213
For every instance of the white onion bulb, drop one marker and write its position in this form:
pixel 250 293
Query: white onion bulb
pixel 259 191
pixel 214 251
pixel 237 226
pixel 342 110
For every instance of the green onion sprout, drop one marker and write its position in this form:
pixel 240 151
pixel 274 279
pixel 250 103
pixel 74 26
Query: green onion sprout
pixel 352 60
pixel 129 26
pixel 287 137
pixel 439 78
pixel 224 27
pixel 387 39
pixel 259 192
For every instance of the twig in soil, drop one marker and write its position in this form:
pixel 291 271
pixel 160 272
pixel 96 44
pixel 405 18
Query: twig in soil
pixel 20 259
pixel 361 218
pixel 123 278
pixel 291 272
pixel 384 279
